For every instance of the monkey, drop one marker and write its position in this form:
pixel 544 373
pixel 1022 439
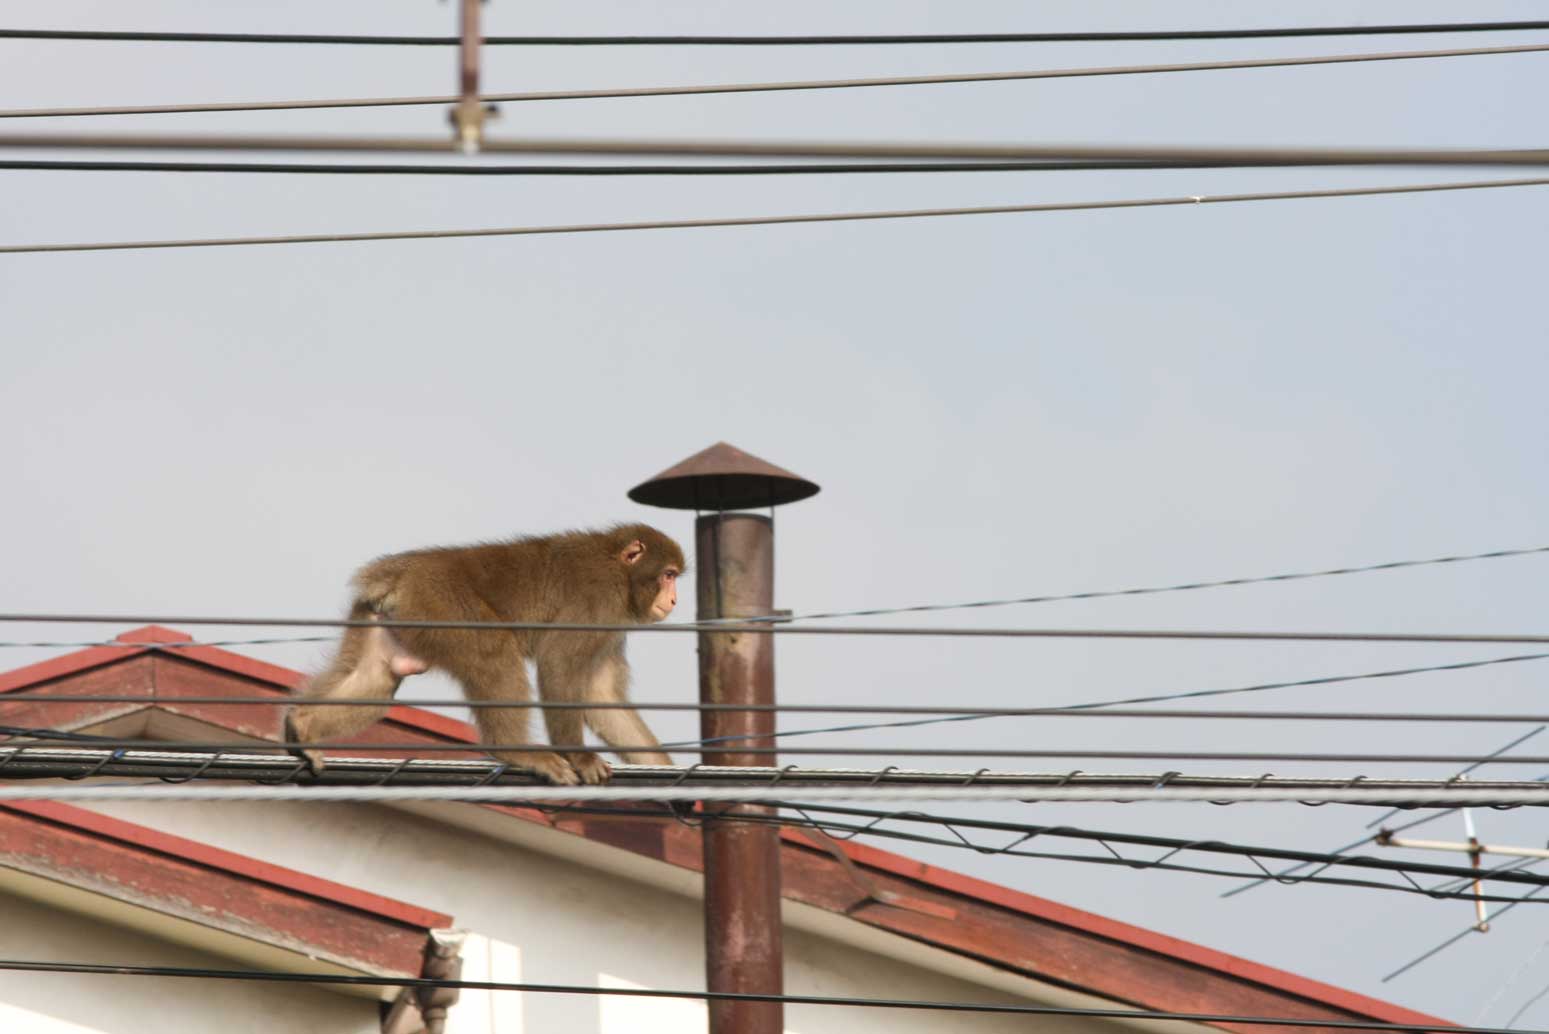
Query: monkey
pixel 624 574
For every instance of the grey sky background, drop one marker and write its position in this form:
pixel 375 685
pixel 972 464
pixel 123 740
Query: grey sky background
pixel 994 406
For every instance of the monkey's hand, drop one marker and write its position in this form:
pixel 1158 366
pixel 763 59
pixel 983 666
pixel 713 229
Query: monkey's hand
pixel 591 768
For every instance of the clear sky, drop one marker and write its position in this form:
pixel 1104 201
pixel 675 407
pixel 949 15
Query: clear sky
pixel 994 406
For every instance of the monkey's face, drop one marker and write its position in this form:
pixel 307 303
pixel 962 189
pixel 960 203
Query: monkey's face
pixel 666 594
pixel 653 577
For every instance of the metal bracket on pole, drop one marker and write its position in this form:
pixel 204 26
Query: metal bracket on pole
pixel 471 111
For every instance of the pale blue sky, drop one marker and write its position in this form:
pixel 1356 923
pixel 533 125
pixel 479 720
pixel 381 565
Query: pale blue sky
pixel 994 406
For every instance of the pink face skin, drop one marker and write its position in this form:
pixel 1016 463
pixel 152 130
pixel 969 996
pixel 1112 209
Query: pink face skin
pixel 666 594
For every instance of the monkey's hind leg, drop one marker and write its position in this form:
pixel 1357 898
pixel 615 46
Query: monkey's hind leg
pixel 369 666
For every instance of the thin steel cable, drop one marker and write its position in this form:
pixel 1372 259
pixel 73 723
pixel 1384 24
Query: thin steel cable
pixel 1172 845
pixel 837 751
pixel 1533 1000
pixel 762 169
pixel 1095 709
pixel 776 87
pixel 271 976
pixel 783 40
pixel 1391 565
pixel 1455 938
pixel 765 628
pixel 847 831
pixel 33 761
pixel 1448 797
pixel 1509 983
pixel 1499 751
pixel 1275 157
pixel 778 220
pixel 1072 710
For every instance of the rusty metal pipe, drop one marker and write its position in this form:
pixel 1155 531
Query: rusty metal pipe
pixel 743 943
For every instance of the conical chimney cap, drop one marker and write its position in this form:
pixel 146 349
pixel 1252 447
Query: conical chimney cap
pixel 722 477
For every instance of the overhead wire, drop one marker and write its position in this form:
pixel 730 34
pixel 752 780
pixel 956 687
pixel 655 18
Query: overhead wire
pixel 904 751
pixel 759 169
pixel 1443 795
pixel 1499 751
pixel 831 39
pixel 757 627
pixel 1092 707
pixel 1146 590
pixel 777 220
pixel 691 90
pixel 1268 157
pixel 275 976
pixel 1460 887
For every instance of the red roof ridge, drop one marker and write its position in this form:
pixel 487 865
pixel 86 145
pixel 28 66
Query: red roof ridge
pixel 244 866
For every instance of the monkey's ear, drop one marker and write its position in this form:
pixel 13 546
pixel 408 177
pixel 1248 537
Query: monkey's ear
pixel 632 553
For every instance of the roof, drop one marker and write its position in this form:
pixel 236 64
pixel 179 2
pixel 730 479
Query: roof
pixel 198 895
pixel 889 893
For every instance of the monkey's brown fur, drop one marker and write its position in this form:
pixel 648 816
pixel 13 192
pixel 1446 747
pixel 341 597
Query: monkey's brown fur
pixel 621 575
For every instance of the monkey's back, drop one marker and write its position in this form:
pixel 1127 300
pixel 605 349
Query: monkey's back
pixel 537 578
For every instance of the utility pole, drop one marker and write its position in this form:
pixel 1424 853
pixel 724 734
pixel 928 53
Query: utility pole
pixel 734 565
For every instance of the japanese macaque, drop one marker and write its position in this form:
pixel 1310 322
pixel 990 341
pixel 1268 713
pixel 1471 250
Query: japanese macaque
pixel 626 574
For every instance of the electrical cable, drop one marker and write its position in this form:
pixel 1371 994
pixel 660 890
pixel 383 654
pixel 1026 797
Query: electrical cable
pixel 1448 796
pixel 1460 889
pixel 1455 938
pixel 271 976
pixel 1516 741
pixel 778 220
pixel 1269 157
pixel 1172 845
pixel 258 762
pixel 837 751
pixel 785 40
pixel 1150 590
pixel 1073 710
pixel 1093 709
pixel 768 628
pixel 761 169
pixel 781 87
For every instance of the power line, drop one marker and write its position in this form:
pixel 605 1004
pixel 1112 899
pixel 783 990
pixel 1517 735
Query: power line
pixel 246 762
pixel 785 40
pixel 760 628
pixel 1274 157
pixel 272 976
pixel 760 169
pixel 1448 796
pixel 1515 741
pixel 838 751
pixel 1460 887
pixel 780 87
pixel 1392 565
pixel 1148 590
pixel 1091 707
pixel 1088 709
pixel 778 220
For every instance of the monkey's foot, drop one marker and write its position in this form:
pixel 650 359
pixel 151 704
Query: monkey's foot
pixel 591 768
pixel 313 758
pixel 550 767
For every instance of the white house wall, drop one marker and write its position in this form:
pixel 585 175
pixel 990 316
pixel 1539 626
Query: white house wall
pixel 539 918
pixel 48 1003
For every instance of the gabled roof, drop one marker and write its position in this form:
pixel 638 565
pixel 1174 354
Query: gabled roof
pixel 190 893
pixel 888 893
